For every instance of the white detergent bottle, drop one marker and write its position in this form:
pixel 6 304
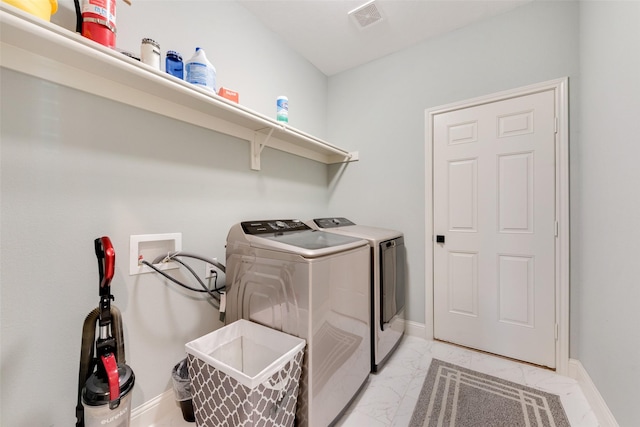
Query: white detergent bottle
pixel 200 71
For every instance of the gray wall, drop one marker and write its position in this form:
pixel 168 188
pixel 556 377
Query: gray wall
pixel 381 108
pixel 606 206
pixel 66 181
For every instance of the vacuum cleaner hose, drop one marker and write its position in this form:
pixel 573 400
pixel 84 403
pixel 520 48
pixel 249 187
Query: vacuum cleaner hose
pixel 118 334
pixel 86 359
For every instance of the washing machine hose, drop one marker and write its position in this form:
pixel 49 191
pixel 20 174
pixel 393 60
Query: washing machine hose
pixel 170 255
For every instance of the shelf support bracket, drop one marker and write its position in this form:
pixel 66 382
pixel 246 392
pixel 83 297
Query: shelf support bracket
pixel 257 146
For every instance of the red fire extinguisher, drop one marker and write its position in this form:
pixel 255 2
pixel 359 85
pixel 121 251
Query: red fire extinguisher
pixel 97 20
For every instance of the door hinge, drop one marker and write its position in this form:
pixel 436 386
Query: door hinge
pixel 557 229
pixel 556 125
pixel 556 331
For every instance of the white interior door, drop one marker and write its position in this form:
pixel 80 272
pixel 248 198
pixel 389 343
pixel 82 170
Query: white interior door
pixel 494 206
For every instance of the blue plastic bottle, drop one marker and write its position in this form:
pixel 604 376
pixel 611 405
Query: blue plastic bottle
pixel 174 65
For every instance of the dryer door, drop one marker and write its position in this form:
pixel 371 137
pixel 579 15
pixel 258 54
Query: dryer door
pixel 392 279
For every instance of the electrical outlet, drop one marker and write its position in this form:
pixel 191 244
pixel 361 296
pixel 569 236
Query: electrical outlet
pixel 149 247
pixel 209 269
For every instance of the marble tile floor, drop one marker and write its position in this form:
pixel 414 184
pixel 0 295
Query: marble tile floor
pixel 392 393
pixel 389 397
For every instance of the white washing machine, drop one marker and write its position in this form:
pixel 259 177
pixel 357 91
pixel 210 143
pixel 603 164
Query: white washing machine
pixel 314 285
pixel 388 266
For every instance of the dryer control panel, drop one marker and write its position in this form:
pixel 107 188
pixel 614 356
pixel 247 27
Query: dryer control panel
pixel 273 226
pixel 332 222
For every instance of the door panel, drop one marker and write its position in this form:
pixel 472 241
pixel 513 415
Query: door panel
pixel 463 283
pixel 516 290
pixel 463 195
pixel 494 199
pixel 515 192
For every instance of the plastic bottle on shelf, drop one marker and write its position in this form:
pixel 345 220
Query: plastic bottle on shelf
pixel 200 71
pixel 150 53
pixel 174 65
pixel 282 109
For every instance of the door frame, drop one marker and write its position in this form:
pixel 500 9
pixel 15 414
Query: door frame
pixel 560 88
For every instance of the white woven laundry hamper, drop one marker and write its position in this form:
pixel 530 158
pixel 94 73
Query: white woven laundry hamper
pixel 245 374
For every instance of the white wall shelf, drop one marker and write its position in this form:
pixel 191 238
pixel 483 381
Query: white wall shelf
pixel 50 52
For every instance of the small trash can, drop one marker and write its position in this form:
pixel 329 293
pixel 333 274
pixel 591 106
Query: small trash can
pixel 245 374
pixel 182 389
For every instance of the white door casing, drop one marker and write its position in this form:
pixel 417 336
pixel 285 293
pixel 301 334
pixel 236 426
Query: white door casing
pixel 501 277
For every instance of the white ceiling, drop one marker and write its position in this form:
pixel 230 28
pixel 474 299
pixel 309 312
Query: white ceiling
pixel 322 31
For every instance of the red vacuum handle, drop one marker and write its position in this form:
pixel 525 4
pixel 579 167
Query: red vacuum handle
pixel 109 261
pixel 111 369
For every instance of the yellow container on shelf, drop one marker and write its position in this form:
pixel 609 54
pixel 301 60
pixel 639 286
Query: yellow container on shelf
pixel 40 8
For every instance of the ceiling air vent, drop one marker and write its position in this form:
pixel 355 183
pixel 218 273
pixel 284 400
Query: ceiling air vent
pixel 366 15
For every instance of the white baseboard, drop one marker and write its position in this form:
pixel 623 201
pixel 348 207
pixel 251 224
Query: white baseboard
pixel 415 329
pixel 599 406
pixel 152 410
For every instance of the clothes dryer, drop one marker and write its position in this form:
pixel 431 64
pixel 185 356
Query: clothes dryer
pixel 388 266
pixel 314 285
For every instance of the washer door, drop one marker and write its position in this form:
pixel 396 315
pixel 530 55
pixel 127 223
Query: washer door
pixel 307 243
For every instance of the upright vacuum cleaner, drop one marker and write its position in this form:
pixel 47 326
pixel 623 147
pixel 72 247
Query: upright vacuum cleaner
pixel 104 379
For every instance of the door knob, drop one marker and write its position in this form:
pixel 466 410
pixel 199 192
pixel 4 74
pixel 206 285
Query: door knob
pixel 439 238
